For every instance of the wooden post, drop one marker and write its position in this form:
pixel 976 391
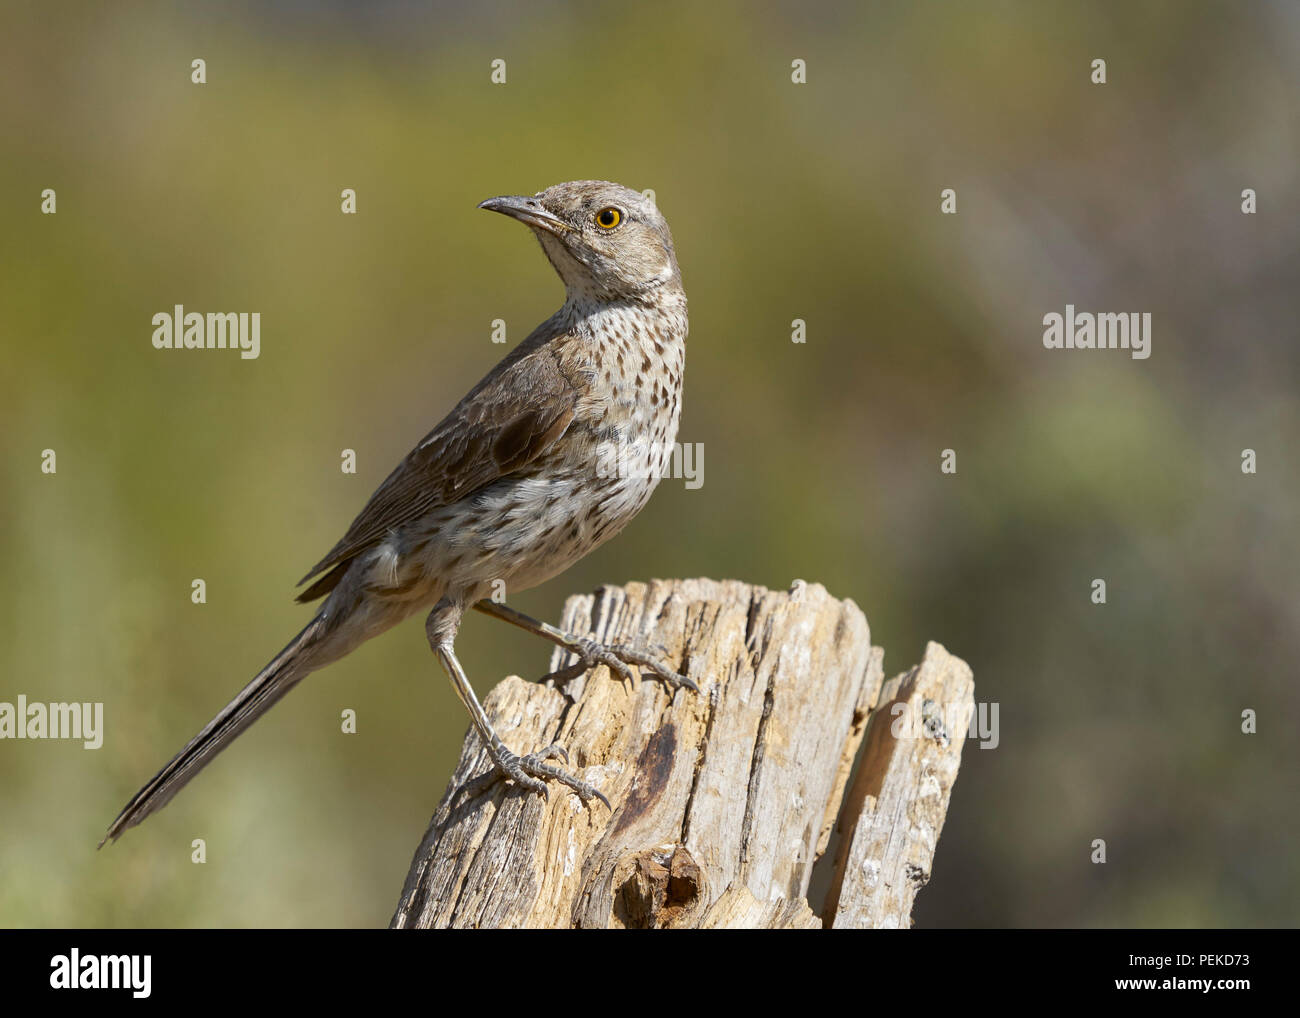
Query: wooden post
pixel 723 800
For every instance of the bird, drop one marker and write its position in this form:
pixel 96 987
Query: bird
pixel 549 456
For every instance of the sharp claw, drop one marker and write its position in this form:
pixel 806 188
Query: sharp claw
pixel 615 665
pixel 532 772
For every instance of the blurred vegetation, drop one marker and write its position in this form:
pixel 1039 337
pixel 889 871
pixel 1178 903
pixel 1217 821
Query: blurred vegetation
pixel 817 202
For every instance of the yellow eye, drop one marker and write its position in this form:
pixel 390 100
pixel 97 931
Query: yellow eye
pixel 608 218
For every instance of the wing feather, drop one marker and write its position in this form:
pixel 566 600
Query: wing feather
pixel 517 412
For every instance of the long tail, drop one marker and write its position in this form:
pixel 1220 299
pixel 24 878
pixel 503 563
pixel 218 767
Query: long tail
pixel 285 671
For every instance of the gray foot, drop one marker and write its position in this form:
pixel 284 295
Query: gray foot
pixel 531 771
pixel 618 656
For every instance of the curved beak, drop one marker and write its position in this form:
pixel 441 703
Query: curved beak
pixel 528 211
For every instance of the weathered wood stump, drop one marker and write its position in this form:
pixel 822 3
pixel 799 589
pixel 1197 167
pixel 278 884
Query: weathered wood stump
pixel 723 800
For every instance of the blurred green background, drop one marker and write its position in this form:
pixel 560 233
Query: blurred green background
pixel 818 201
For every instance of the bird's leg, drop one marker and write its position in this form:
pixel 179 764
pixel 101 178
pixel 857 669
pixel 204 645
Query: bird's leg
pixel 528 771
pixel 616 656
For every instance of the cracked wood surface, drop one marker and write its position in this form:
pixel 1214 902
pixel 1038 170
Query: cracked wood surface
pixel 722 800
pixel 891 818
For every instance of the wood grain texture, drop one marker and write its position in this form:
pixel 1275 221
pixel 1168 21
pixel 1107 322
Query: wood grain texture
pixel 894 812
pixel 722 800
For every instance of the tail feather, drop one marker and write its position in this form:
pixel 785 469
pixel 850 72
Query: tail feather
pixel 285 671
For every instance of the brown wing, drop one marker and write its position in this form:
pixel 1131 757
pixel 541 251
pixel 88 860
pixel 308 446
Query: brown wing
pixel 513 415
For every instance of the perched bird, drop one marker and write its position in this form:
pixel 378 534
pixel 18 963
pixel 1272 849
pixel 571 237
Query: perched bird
pixel 550 455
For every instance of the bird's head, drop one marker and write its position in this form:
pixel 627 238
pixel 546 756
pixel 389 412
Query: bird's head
pixel 605 240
